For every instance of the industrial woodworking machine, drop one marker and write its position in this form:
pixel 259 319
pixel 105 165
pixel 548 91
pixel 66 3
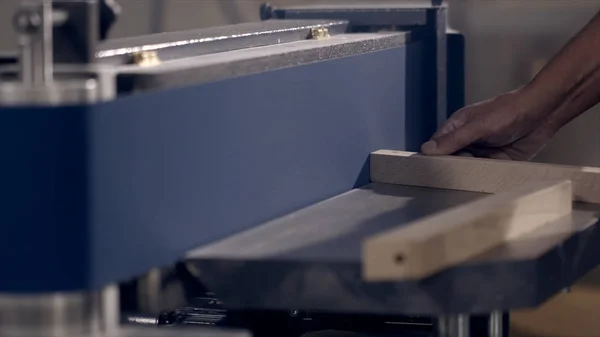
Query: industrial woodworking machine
pixel 216 182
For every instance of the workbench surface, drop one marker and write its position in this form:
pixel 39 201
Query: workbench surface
pixel 311 259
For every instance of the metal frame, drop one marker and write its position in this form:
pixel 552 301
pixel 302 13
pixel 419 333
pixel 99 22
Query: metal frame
pixel 426 20
pixel 192 56
pixel 427 48
pixel 194 43
pixel 119 148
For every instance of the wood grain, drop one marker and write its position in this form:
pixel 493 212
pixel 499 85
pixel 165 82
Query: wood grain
pixel 573 314
pixel 477 174
pixel 431 244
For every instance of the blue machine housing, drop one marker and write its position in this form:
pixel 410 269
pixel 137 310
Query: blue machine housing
pixel 100 193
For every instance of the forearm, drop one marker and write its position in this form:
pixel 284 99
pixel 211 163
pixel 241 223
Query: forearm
pixel 570 83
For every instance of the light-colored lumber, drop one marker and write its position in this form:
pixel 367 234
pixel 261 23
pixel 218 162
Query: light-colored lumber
pixel 573 314
pixel 478 174
pixel 431 244
pixel 534 244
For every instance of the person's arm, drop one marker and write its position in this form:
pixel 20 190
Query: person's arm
pixel 571 80
pixel 516 125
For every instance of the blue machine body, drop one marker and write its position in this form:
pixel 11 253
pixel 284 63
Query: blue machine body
pixel 101 193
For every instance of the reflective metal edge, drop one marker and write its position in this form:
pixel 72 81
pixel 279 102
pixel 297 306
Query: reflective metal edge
pixel 405 13
pixel 72 85
pixel 364 6
pixel 175 45
pixel 88 84
pixel 214 67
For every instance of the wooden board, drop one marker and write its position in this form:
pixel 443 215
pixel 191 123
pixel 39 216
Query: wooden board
pixel 450 237
pixel 312 258
pixel 477 174
pixel 572 314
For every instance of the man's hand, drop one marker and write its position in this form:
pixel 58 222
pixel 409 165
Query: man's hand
pixel 512 126
pixel 518 124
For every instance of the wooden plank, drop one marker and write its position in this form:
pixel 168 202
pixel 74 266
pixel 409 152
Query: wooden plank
pixel 433 243
pixel 536 243
pixel 478 174
pixel 576 313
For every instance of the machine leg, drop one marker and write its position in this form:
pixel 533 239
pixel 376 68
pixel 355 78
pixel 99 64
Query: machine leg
pixel 496 324
pixel 60 314
pixel 453 326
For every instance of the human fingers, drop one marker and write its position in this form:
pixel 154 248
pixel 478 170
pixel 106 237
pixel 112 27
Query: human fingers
pixel 453 141
pixel 457 120
pixel 464 153
pixel 490 152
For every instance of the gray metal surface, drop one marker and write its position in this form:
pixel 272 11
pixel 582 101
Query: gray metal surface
pixel 215 66
pixel 34 22
pixel 219 66
pixel 64 92
pixel 311 260
pixel 218 53
pixel 496 324
pixel 60 314
pixel 86 314
pixel 194 331
pixel 439 51
pixel 454 326
pixel 176 45
pixel 71 85
pixel 36 80
pixel 426 19
pixel 358 14
pixel 333 230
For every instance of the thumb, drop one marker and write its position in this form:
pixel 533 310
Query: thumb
pixel 453 141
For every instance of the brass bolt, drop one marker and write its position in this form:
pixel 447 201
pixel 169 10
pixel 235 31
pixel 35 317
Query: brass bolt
pixel 319 33
pixel 146 58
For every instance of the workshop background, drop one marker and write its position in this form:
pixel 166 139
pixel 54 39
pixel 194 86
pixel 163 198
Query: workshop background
pixel 508 41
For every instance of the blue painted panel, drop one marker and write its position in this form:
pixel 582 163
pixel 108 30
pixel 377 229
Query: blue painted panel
pixel 153 175
pixel 43 206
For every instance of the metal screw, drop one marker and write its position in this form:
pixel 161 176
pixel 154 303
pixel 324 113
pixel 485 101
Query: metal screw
pixel 319 33
pixel 146 58
pixel 27 21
